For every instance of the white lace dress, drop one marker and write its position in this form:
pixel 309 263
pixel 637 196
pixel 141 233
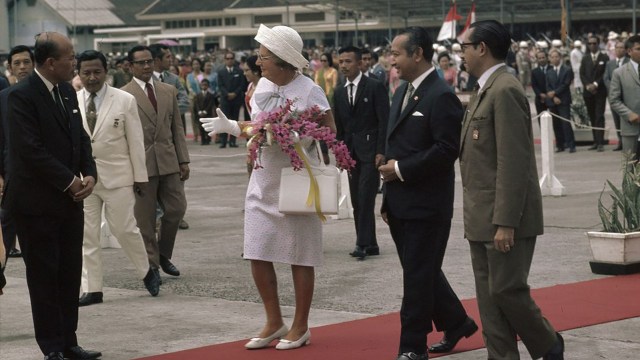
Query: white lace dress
pixel 268 234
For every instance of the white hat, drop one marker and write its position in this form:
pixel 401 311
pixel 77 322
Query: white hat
pixel 624 35
pixel 542 44
pixel 441 49
pixel 283 42
pixel 577 43
pixel 612 35
pixel 556 43
pixel 435 46
pixel 524 44
pixel 456 47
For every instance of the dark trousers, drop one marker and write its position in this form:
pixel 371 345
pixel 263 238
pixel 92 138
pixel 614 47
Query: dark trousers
pixel 595 108
pixel 562 129
pixel 52 253
pixel 8 230
pixel 232 110
pixel 204 136
pixel 428 297
pixel 363 186
pixel 616 122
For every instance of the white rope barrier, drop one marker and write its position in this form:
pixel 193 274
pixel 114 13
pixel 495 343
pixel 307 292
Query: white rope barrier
pixel 581 126
pixel 549 184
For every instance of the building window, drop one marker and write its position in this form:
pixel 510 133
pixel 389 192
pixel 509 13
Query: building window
pixel 267 19
pixel 307 17
pixel 211 22
pixel 180 24
pixel 230 21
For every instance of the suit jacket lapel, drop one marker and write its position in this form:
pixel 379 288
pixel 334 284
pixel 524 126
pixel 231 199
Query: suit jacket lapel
pixel 418 94
pixel 474 102
pixel 104 110
pixel 50 103
pixel 359 91
pixel 143 102
pixel 163 98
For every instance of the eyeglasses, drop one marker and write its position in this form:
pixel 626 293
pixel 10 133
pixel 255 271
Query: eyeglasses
pixel 464 46
pixel 143 62
pixel 263 58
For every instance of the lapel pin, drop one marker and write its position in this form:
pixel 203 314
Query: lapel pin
pixel 415 98
pixel 366 100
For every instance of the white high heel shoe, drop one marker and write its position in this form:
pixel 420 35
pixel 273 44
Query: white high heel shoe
pixel 259 343
pixel 285 344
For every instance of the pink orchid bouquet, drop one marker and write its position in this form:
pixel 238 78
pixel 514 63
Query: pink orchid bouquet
pixel 287 126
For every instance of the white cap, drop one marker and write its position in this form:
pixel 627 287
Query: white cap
pixel 612 35
pixel 435 46
pixel 542 44
pixel 524 44
pixel 556 43
pixel 441 49
pixel 456 47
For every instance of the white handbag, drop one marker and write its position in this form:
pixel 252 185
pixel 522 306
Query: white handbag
pixel 297 196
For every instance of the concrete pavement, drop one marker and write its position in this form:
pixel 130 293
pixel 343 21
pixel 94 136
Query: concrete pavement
pixel 214 300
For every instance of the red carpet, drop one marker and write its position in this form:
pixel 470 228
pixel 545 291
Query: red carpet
pixel 567 306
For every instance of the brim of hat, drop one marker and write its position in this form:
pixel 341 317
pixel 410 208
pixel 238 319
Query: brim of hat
pixel 269 38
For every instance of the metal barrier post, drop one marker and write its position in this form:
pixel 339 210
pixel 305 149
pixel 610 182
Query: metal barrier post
pixel 549 184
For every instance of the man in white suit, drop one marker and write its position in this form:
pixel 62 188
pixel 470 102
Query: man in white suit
pixel 624 96
pixel 110 117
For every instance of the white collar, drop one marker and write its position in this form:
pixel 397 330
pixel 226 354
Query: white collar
pixel 417 81
pixel 47 83
pixel 485 76
pixel 355 81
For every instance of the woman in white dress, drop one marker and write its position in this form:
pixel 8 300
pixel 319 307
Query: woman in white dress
pixel 270 236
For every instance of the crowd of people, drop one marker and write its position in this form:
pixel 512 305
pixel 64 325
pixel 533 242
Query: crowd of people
pixel 108 135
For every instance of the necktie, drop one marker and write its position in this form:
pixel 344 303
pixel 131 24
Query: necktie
pixel 351 94
pixel 594 57
pixel 92 115
pixel 407 96
pixel 558 70
pixel 162 77
pixel 152 96
pixel 229 70
pixel 58 100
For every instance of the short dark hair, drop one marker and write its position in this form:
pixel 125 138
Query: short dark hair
pixel 198 60
pixel 635 39
pixel 45 48
pixel 157 50
pixel 495 36
pixel 418 37
pixel 91 55
pixel 364 51
pixel 352 49
pixel 374 56
pixel 205 81
pixel 444 54
pixel 20 49
pixel 136 49
pixel 251 63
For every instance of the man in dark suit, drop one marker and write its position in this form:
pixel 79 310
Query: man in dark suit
pixel 592 69
pixel 502 204
pixel 539 81
pixel 422 145
pixel 361 108
pixel 167 160
pixel 559 79
pixel 52 171
pixel 204 105
pixel 20 66
pixel 621 59
pixel 231 83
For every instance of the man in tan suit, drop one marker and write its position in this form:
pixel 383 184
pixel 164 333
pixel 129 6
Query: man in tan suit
pixel 502 202
pixel 167 160
pixel 110 117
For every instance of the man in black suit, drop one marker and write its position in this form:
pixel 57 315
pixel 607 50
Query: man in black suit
pixel 539 82
pixel 231 83
pixel 559 79
pixel 592 70
pixel 20 66
pixel 361 110
pixel 204 105
pixel 52 171
pixel 423 138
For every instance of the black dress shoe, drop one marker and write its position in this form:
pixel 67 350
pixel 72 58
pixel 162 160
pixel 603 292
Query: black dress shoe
pixel 90 298
pixel 14 253
pixel 183 225
pixel 412 356
pixel 152 282
pixel 372 250
pixel 157 272
pixel 558 150
pixel 593 147
pixel 54 356
pixel 233 145
pixel 557 351
pixel 359 253
pixel 451 337
pixel 168 267
pixel 600 148
pixel 78 353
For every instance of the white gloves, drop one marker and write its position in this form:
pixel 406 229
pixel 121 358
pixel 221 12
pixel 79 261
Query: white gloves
pixel 220 125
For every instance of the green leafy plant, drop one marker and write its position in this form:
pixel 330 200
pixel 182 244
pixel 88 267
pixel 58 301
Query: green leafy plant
pixel 623 215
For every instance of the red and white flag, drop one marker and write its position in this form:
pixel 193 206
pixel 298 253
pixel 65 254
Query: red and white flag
pixel 471 18
pixel 448 30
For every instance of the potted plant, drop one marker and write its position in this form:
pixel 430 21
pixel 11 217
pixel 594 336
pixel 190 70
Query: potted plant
pixel 616 249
